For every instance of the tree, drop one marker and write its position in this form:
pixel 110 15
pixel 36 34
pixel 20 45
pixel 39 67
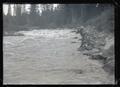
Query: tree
pixel 33 14
pixel 9 10
pixel 18 14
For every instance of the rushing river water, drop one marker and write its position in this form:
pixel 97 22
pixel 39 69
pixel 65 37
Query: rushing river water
pixel 49 57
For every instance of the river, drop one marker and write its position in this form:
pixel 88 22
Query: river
pixel 49 57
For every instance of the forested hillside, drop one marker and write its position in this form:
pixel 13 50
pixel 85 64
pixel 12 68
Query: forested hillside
pixel 64 15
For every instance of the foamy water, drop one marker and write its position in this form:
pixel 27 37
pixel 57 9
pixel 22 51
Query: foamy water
pixel 49 57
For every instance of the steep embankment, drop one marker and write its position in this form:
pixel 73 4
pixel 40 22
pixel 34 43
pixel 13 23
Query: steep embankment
pixel 98 39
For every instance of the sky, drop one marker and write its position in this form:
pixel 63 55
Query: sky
pixel 5 8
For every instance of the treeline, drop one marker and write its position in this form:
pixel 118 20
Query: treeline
pixel 64 15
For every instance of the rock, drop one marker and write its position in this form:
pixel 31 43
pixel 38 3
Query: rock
pixel 108 52
pixel 78 71
pixel 100 58
pixel 73 42
pixel 18 34
pixel 73 31
pixel 75 37
pixel 109 66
